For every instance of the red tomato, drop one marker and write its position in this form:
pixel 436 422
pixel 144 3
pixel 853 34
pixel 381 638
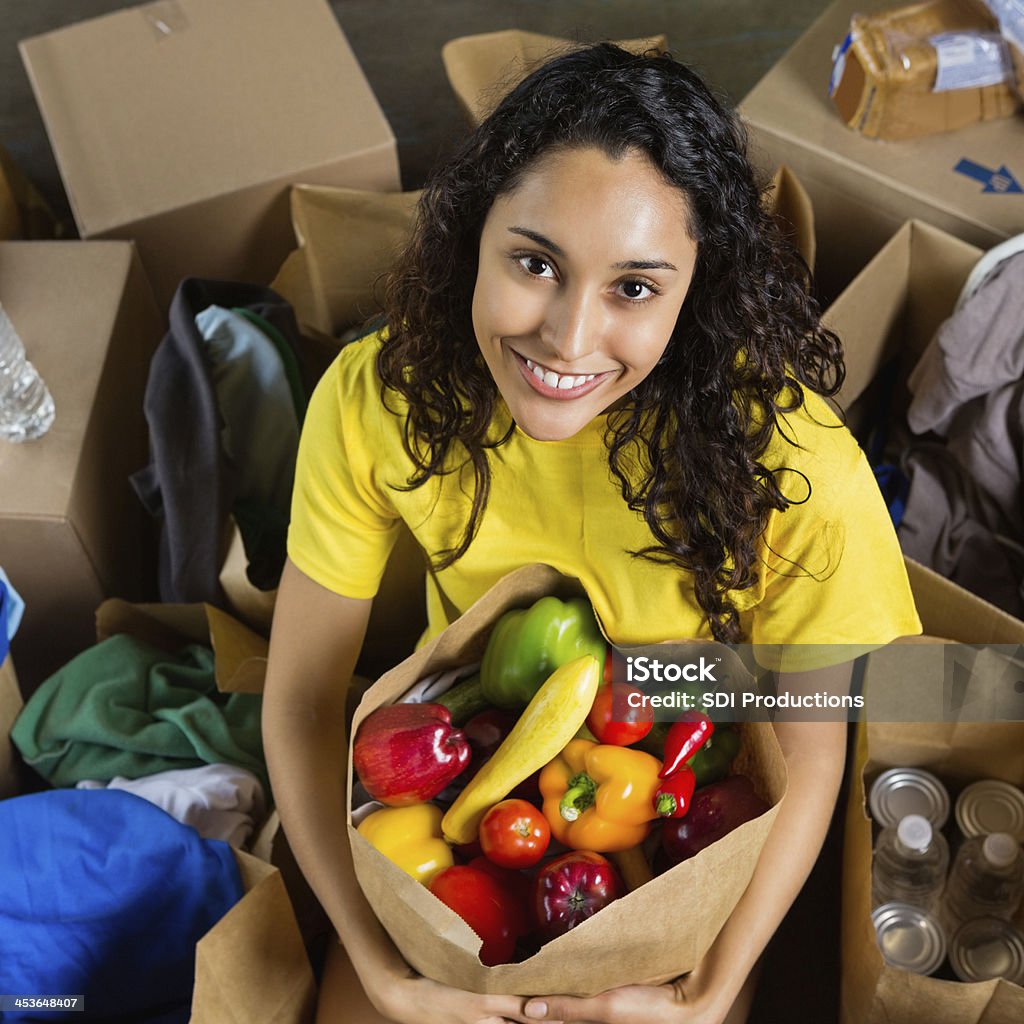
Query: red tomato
pixel 514 834
pixel 484 904
pixel 519 888
pixel 612 720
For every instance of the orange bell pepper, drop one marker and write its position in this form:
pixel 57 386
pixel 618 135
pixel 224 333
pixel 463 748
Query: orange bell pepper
pixel 600 797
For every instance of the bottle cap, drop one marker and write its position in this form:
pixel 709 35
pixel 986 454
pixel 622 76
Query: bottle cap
pixel 1000 849
pixel 915 832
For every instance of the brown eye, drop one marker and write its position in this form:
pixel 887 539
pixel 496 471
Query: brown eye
pixel 636 291
pixel 536 266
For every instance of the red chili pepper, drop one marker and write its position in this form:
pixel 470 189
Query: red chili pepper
pixel 684 739
pixel 673 795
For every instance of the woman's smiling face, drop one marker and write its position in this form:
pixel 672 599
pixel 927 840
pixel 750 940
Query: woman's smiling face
pixel 583 269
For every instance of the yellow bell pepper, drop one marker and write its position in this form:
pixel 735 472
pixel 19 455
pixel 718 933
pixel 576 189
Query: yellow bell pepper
pixel 410 837
pixel 600 797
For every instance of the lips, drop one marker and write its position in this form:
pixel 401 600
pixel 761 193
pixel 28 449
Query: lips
pixel 555 385
pixel 554 380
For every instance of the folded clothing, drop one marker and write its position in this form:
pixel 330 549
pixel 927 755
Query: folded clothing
pixel 104 895
pixel 126 708
pixel 219 801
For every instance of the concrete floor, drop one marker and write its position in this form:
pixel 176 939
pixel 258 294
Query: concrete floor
pixel 398 43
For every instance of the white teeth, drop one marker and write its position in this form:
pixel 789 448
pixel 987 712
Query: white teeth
pixel 554 380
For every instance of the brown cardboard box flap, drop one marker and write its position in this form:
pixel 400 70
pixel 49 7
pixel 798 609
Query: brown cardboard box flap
pixel 10 705
pixel 252 966
pixel 791 206
pixel 240 655
pixel 483 68
pixel 351 238
pixel 626 942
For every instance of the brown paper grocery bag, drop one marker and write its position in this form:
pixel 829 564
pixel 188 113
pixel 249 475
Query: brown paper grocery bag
pixel 655 932
pixel 481 69
pixel 251 967
pixel 958 752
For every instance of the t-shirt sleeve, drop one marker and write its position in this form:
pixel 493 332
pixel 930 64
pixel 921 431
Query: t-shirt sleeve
pixel 343 525
pixel 833 573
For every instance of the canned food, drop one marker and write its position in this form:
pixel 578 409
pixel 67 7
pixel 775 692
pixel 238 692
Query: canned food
pixel 909 938
pixel 902 791
pixel 987 947
pixel 991 806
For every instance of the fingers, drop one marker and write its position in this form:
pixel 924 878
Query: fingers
pixel 632 1004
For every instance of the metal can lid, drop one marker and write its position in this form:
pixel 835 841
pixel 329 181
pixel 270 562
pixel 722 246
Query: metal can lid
pixel 909 938
pixel 902 791
pixel 987 947
pixel 991 805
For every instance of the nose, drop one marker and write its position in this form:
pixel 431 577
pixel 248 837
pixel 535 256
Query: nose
pixel 572 324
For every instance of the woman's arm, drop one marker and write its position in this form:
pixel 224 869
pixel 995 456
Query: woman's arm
pixel 815 756
pixel 315 642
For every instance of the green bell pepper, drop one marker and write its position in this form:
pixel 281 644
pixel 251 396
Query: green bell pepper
pixel 711 762
pixel 527 645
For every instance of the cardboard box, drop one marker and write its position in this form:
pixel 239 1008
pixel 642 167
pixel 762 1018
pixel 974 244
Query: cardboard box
pixel 71 529
pixel 871 991
pixel 970 183
pixel 897 302
pixel 891 310
pixel 251 967
pixel 180 124
pixel 903 72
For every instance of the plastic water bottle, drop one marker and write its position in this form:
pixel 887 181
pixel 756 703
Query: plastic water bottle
pixel 26 406
pixel 910 864
pixel 986 880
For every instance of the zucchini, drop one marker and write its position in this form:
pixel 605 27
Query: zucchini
pixel 550 720
pixel 464 700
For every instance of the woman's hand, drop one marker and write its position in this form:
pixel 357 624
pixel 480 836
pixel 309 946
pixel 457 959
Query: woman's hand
pixel 414 999
pixel 673 1003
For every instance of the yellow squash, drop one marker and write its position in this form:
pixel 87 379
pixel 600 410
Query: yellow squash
pixel 550 720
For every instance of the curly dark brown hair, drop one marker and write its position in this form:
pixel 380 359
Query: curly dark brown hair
pixel 686 446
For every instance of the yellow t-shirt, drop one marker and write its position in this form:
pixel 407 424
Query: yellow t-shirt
pixel 557 502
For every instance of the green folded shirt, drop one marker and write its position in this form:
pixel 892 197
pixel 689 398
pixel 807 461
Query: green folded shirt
pixel 126 708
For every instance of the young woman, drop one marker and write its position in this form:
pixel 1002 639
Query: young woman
pixel 599 354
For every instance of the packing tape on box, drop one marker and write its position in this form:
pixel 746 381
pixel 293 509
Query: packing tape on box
pixel 165 17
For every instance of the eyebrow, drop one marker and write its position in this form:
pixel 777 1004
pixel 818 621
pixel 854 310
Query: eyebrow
pixel 558 251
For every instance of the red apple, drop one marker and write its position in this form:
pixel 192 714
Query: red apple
pixel 571 888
